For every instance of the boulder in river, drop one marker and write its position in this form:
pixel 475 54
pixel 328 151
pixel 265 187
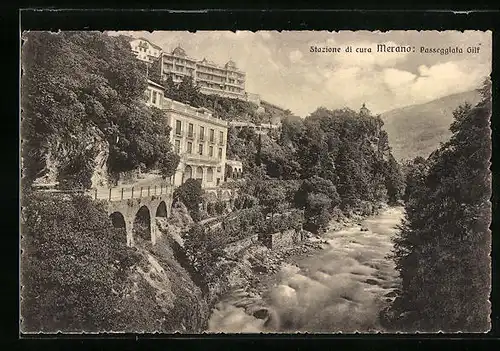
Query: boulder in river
pixel 261 314
pixel 391 294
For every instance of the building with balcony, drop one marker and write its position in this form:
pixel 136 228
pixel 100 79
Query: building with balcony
pixel 227 80
pixel 154 94
pixel 234 170
pixel 197 137
pixel 145 50
pixel 200 140
pixel 261 128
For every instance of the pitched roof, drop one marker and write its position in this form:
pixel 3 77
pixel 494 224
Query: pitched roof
pixel 150 43
pixel 179 51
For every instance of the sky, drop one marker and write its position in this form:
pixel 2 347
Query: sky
pixel 280 67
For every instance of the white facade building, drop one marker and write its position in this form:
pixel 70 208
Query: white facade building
pixel 197 137
pixel 145 50
pixel 227 80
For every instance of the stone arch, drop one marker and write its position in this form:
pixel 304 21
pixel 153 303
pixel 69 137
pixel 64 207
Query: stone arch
pixel 117 220
pixel 226 195
pixel 161 210
pixel 142 223
pixel 210 174
pixel 228 172
pixel 199 173
pixel 188 173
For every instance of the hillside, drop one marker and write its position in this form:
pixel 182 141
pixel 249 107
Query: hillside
pixel 417 130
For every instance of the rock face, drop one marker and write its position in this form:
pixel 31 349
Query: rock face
pixel 100 175
pixel 50 172
pixel 60 151
pixel 173 297
pixel 180 216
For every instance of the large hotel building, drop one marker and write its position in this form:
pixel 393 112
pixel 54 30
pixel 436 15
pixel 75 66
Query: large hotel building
pixel 198 138
pixel 225 80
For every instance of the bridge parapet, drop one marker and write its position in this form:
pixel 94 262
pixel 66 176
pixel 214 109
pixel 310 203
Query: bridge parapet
pixel 125 193
pixel 127 205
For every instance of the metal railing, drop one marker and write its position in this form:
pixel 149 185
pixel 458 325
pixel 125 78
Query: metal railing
pixel 124 193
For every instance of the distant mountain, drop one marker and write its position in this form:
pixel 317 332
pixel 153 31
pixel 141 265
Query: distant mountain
pixel 417 130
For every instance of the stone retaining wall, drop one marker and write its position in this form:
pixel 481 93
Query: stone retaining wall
pixel 283 239
pixel 242 244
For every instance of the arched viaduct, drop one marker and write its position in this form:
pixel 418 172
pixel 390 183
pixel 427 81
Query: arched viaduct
pixel 137 213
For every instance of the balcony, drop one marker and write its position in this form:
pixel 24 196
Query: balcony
pixel 191 135
pixel 212 141
pixel 179 133
pixel 197 158
pixel 221 142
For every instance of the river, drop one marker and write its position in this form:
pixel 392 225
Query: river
pixel 341 288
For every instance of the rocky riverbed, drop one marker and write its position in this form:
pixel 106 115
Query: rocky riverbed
pixel 335 283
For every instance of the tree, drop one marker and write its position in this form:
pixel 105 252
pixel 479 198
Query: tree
pixel 394 181
pixel 72 261
pixel 186 91
pixel 83 92
pixel 444 243
pixel 318 197
pixel 154 71
pixel 316 212
pixel 191 195
pixel 273 199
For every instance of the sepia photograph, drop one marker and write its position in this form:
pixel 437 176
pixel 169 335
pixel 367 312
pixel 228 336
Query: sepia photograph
pixel 255 182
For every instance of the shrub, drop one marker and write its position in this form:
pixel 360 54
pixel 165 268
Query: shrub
pixel 190 194
pixel 71 262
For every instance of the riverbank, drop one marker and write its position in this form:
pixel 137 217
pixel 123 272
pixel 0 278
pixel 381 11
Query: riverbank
pixel 288 285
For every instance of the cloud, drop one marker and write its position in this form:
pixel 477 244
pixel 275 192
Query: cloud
pixel 395 78
pixel 295 56
pixel 281 68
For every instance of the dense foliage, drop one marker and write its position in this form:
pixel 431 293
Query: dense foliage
pixel 72 261
pixel 442 251
pixel 77 274
pixel 83 94
pixel 226 108
pixel 190 194
pixel 341 157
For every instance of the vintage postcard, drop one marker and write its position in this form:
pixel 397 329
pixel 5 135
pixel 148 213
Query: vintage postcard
pixel 255 182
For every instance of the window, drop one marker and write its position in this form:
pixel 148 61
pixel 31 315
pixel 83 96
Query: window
pixel 210 174
pixel 218 169
pixel 177 146
pixel 200 149
pixel 221 138
pixel 189 147
pixel 190 130
pixel 211 151
pixel 202 133
pixel 220 153
pixel 154 97
pixel 212 135
pixel 178 125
